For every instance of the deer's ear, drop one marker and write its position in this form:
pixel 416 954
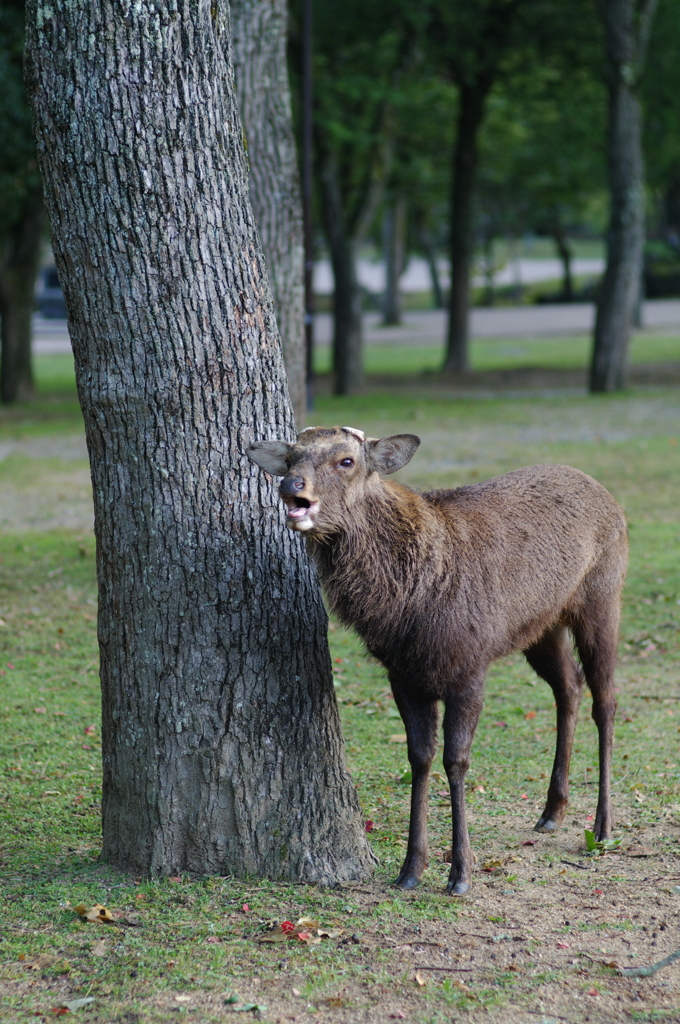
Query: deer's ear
pixel 270 456
pixel 391 453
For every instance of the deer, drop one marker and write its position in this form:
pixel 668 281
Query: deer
pixel 440 584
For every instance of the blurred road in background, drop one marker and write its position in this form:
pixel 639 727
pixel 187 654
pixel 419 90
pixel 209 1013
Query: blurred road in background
pixel 428 327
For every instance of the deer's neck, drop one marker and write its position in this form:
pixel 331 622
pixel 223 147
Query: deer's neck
pixel 371 567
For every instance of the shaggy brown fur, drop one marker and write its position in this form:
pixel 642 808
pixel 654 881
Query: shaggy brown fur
pixel 441 584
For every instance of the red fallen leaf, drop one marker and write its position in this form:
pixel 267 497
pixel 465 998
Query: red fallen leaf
pixel 175 878
pixel 597 892
pixel 86 746
pixel 591 817
pixel 59 1011
pixel 368 826
pixel 338 661
pixel 503 725
pixel 10 665
pixel 563 945
pixel 287 926
pixel 40 711
pixel 593 992
pixel 628 719
pixel 530 842
pixel 59 714
pixel 245 908
pixel 524 796
pixel 530 714
pixel 89 729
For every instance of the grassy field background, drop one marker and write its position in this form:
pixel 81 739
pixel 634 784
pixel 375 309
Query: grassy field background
pixel 538 934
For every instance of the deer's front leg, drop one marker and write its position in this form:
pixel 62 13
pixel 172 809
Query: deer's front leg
pixel 460 721
pixel 421 719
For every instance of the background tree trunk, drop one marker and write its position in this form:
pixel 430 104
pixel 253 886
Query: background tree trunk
pixel 627 24
pixel 461 237
pixel 221 741
pixel 348 347
pixel 564 251
pixel 394 245
pixel 20 249
pixel 259 33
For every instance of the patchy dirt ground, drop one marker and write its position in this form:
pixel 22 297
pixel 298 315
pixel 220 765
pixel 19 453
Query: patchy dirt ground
pixel 544 930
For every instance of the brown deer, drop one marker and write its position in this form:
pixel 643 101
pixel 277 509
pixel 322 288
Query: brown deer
pixel 439 585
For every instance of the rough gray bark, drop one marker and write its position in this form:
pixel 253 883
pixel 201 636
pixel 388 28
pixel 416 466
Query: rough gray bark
pixel 221 742
pixel 20 250
pixel 394 244
pixel 627 25
pixel 259 33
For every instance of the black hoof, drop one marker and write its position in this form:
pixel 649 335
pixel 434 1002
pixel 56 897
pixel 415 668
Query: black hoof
pixel 407 882
pixel 457 888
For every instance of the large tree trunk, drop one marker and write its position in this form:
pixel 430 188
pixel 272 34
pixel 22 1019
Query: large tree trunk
pixel 627 24
pixel 221 742
pixel 259 32
pixel 394 245
pixel 471 112
pixel 19 264
pixel 348 355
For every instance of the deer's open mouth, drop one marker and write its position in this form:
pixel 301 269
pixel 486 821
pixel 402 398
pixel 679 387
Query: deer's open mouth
pixel 300 512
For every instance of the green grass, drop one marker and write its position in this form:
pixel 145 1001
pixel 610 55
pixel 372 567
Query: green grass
pixel 192 937
pixel 568 353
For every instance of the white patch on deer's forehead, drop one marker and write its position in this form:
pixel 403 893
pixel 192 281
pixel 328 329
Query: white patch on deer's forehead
pixel 354 430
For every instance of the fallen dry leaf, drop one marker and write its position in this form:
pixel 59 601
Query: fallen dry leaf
pixel 97 913
pixel 99 948
pixel 493 863
pixel 276 934
pixel 636 850
pixel 308 938
pixel 398 737
pixel 77 1004
pixel 47 960
pixel 307 923
pixel 420 978
pixel 182 999
pixel 296 992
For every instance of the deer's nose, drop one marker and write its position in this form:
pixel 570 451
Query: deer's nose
pixel 290 485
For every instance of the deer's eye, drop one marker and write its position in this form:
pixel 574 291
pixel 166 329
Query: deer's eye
pixel 347 463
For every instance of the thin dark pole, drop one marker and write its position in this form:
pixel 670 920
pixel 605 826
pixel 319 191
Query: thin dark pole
pixel 307 192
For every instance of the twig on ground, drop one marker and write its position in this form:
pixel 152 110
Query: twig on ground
pixel 542 1013
pixel 573 864
pixel 416 942
pixel 458 970
pixel 645 972
pixel 653 696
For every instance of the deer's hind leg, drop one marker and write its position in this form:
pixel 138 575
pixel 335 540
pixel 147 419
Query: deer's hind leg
pixel 552 659
pixel 596 638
